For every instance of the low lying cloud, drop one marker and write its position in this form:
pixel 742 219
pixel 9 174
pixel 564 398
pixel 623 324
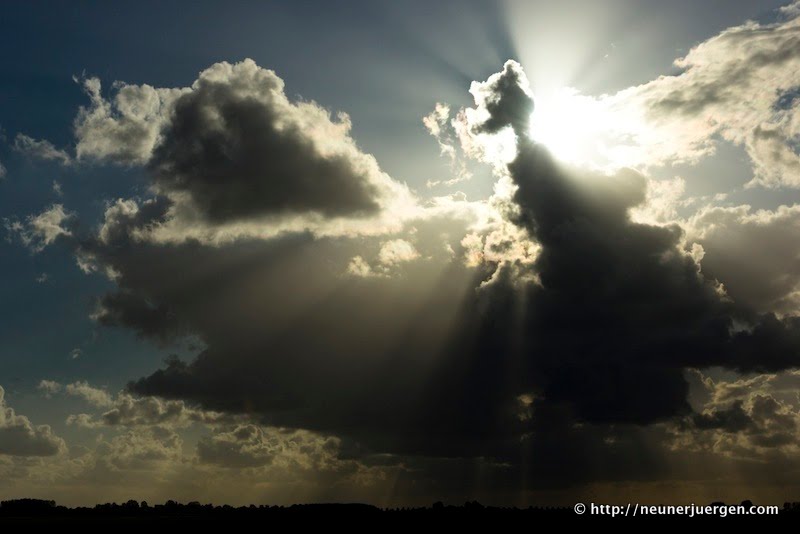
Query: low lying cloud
pixel 252 446
pixel 19 437
pixel 750 418
pixel 125 410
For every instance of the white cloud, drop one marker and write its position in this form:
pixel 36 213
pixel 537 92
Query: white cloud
pixel 440 126
pixel 498 242
pixel 125 410
pixel 41 149
pixel 49 388
pixel 738 84
pixel 390 256
pixel 39 231
pixel 94 396
pixel 397 251
pixel 662 201
pixel 359 267
pixel 250 445
pixel 126 128
pixel 142 449
pixel 115 217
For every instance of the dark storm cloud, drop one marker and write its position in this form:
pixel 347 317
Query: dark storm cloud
pixel 239 149
pixel 303 344
pixel 124 308
pixel 508 101
pixel 732 419
pixel 621 309
pixel 558 372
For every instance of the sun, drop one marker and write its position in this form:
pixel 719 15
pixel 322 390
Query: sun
pixel 576 128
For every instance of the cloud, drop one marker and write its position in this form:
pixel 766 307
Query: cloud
pixel 157 463
pixel 390 256
pixel 238 148
pixel 577 217
pixel 501 244
pixel 3 171
pixel 744 418
pixel 397 251
pixel 232 157
pixel 550 292
pixel 123 130
pixel 791 10
pixel 439 125
pixel 253 446
pixel 148 449
pixel 126 308
pixel 737 85
pixel 40 149
pixel 751 251
pixel 558 321
pixel 39 231
pixel 126 410
pixel 553 323
pixel 662 201
pixel 244 446
pixel 503 100
pixel 49 388
pixel 19 437
pixel 92 395
pixel 503 106
pixel 740 86
pixel 358 266
pixel 142 445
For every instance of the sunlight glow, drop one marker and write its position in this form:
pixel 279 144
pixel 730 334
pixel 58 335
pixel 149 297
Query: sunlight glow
pixel 584 130
pixel 569 125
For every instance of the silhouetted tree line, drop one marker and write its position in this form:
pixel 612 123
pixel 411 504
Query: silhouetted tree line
pixel 45 509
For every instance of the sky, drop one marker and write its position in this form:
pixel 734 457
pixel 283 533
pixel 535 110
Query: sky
pixel 400 252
